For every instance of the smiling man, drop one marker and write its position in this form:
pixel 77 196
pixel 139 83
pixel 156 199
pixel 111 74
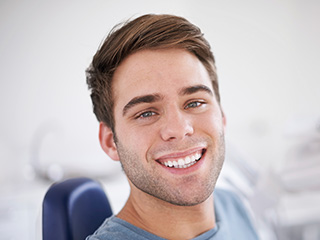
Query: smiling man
pixel 155 93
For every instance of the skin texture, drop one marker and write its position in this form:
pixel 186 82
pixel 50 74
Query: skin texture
pixel 165 109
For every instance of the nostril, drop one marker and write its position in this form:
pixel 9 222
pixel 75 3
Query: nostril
pixel 176 130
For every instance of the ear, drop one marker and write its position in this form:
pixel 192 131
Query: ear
pixel 224 120
pixel 107 142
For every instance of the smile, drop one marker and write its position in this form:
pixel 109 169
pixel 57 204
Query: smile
pixel 184 162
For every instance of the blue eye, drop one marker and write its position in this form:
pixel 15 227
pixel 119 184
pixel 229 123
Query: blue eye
pixel 146 114
pixel 193 104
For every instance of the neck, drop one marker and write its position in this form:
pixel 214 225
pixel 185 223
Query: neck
pixel 167 220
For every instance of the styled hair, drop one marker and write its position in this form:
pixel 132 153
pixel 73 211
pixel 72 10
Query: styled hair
pixel 146 32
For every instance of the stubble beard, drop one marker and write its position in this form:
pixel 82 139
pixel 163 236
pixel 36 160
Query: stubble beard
pixel 156 185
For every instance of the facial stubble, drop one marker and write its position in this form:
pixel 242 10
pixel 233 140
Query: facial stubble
pixel 151 182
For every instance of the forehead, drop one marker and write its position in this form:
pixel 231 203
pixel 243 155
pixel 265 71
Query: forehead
pixel 163 71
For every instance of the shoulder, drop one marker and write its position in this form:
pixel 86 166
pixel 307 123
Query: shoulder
pixel 115 228
pixel 231 214
pixel 228 200
pixel 109 230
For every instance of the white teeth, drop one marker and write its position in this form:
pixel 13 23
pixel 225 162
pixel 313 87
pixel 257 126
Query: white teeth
pixel 184 163
pixel 181 162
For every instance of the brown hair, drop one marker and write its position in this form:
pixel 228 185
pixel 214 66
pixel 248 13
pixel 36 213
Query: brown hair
pixel 146 32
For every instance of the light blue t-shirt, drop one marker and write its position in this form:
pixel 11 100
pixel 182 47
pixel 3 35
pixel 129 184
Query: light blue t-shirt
pixel 232 222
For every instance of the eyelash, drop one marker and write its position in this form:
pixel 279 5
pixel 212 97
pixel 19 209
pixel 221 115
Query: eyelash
pixel 194 103
pixel 198 103
pixel 143 115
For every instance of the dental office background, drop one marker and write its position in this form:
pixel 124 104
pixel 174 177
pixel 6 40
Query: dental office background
pixel 267 54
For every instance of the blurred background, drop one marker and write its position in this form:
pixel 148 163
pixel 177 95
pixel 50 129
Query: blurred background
pixel 267 55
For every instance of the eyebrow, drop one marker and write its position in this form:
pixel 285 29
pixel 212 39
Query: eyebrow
pixel 194 89
pixel 151 98
pixel 141 99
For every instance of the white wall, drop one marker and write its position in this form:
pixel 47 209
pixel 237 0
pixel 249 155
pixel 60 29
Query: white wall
pixel 266 51
pixel 267 56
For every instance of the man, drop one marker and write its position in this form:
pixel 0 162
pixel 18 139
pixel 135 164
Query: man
pixel 155 93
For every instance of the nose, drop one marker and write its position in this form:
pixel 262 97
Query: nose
pixel 176 126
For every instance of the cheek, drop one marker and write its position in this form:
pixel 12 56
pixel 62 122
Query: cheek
pixel 137 139
pixel 212 122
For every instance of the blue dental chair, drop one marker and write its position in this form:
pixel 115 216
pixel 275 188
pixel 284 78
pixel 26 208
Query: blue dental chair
pixel 74 209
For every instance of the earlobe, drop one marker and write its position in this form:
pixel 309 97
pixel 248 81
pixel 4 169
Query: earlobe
pixel 107 141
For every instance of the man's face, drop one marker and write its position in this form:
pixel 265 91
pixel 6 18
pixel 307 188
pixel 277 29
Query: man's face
pixel 169 127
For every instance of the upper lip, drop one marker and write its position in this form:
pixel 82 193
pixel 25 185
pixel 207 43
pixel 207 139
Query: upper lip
pixel 180 154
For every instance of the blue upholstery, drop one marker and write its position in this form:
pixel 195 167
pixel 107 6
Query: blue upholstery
pixel 74 209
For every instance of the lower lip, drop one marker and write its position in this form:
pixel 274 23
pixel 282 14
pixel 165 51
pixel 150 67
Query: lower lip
pixel 187 170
